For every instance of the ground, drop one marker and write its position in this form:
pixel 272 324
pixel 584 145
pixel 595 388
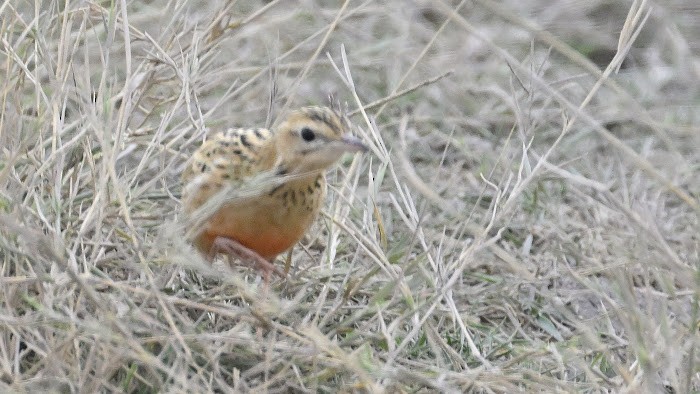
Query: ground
pixel 527 218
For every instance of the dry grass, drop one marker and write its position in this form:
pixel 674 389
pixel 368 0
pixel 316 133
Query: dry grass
pixel 527 219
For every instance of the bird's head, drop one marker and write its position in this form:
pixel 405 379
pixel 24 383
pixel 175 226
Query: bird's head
pixel 312 139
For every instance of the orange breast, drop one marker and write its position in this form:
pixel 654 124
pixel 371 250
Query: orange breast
pixel 263 225
pixel 268 245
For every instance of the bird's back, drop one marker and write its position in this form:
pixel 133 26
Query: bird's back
pixel 228 157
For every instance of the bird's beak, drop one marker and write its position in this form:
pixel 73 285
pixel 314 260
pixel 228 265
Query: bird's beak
pixel 353 144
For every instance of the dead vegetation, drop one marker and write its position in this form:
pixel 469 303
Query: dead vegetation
pixel 527 219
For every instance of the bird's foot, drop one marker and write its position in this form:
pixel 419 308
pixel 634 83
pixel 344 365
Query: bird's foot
pixel 247 256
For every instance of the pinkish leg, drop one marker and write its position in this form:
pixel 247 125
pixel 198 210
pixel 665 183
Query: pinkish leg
pixel 248 257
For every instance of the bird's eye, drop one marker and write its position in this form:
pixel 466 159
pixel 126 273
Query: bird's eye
pixel 307 134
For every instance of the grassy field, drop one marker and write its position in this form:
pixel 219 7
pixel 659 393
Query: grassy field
pixel 527 219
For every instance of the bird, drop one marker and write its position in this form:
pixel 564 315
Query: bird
pixel 293 157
